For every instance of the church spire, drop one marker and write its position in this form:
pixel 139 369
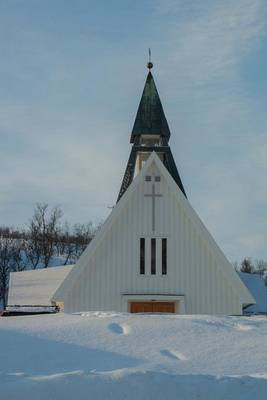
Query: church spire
pixel 150 133
pixel 150 118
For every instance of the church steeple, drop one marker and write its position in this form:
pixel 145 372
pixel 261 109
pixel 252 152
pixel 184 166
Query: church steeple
pixel 150 118
pixel 150 133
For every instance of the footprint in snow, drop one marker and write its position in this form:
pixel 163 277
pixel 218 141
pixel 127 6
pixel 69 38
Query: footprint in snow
pixel 120 329
pixel 174 354
pixel 241 327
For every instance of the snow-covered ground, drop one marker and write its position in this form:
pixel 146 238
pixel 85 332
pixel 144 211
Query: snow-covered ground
pixel 126 356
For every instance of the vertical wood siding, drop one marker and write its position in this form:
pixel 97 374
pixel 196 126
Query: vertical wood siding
pixel 193 268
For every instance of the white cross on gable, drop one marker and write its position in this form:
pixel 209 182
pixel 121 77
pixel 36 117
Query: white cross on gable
pixel 153 196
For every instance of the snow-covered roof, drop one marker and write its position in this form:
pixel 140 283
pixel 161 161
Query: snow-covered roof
pixel 258 289
pixel 35 287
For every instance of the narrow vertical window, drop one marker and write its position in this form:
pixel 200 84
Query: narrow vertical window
pixel 153 256
pixel 142 256
pixel 164 256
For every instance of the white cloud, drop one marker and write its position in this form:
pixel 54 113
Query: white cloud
pixel 220 141
pixel 210 42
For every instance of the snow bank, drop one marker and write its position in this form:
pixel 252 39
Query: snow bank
pixel 125 356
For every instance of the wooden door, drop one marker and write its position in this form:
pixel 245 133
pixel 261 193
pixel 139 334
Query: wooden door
pixel 141 307
pixel 152 306
pixel 163 307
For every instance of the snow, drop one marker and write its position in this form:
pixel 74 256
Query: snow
pixel 35 287
pixel 258 289
pixel 129 356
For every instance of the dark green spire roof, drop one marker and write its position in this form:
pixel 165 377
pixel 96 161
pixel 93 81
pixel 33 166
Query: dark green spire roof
pixel 150 118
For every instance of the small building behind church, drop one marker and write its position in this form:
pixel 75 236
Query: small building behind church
pixel 153 253
pixel 30 291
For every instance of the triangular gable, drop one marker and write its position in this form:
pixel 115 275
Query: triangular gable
pixel 224 265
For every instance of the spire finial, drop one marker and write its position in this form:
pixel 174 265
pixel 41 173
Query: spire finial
pixel 149 64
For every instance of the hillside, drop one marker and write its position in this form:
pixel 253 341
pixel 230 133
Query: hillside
pixel 124 356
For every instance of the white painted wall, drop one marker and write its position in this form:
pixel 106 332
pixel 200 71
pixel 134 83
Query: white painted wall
pixel 197 270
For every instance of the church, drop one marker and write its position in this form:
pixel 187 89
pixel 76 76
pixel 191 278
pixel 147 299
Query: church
pixel 153 253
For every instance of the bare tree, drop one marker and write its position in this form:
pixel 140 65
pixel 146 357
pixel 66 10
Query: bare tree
pixel 247 266
pixel 260 267
pixel 44 239
pixel 33 247
pixel 44 231
pixel 235 266
pixel 66 245
pixel 72 241
pixel 11 259
pixel 83 234
pixel 10 232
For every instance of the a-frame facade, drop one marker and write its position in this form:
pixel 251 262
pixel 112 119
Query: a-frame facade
pixel 108 276
pixel 153 253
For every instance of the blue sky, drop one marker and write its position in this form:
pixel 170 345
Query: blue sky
pixel 71 77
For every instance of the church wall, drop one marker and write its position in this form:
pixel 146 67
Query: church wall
pixel 194 269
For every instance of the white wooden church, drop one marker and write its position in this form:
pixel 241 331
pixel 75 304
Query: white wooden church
pixel 153 253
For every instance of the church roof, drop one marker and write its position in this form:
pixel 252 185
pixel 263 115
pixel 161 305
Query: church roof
pixel 150 118
pixel 168 161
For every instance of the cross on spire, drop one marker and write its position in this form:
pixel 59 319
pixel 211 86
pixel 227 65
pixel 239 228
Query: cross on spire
pixel 149 64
